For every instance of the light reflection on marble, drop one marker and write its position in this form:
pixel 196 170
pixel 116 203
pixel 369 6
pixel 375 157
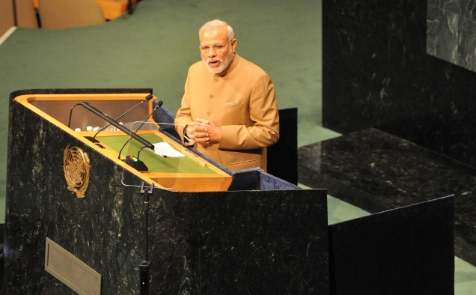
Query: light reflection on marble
pixel 451 27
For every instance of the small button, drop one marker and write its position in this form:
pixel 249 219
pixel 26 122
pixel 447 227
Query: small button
pixel 211 96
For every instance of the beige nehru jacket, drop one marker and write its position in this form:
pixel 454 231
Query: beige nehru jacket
pixel 242 101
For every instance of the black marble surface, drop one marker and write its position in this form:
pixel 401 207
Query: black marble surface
pixel 264 241
pixel 377 73
pixel 239 243
pixel 282 156
pixel 408 250
pixel 377 171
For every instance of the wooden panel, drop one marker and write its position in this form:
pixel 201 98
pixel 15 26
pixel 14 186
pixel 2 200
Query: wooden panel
pixel 6 16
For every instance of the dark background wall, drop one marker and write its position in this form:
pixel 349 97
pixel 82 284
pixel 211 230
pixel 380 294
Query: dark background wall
pixel 375 63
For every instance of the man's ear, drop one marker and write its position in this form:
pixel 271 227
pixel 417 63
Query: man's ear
pixel 234 42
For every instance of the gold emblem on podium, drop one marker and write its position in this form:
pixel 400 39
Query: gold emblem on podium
pixel 76 170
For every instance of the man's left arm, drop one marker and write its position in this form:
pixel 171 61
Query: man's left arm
pixel 265 117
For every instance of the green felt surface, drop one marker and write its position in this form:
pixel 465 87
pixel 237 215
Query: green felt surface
pixel 153 161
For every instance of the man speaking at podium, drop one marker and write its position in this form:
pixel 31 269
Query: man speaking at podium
pixel 229 111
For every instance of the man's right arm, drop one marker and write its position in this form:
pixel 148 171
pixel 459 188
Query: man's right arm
pixel 184 114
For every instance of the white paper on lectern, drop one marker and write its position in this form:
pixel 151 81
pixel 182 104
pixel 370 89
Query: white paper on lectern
pixel 166 150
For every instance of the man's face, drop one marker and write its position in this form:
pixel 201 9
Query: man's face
pixel 216 50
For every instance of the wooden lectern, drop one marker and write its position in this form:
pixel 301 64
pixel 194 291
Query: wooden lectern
pixel 81 218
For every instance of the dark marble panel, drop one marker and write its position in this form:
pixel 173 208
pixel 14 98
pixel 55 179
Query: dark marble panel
pixel 376 73
pixel 282 156
pixel 102 230
pixel 372 71
pixel 273 241
pixel 240 242
pixel 248 179
pixel 377 171
pixel 272 182
pixel 257 179
pixel 408 250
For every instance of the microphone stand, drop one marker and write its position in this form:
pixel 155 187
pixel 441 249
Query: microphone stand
pixel 147 98
pixel 159 104
pixel 117 125
pixel 145 264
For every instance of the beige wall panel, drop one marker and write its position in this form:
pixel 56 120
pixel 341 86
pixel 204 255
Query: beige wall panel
pixel 26 14
pixel 6 16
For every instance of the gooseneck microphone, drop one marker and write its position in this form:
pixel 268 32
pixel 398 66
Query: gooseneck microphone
pixel 157 104
pixel 146 99
pixel 117 125
pixel 70 113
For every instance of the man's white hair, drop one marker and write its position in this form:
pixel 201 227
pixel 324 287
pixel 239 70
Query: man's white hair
pixel 215 24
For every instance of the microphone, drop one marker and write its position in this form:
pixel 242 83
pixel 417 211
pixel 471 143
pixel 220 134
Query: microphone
pixel 156 115
pixel 157 104
pixel 71 112
pixel 146 99
pixel 117 125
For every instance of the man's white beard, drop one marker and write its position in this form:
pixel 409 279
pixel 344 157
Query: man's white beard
pixel 224 63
